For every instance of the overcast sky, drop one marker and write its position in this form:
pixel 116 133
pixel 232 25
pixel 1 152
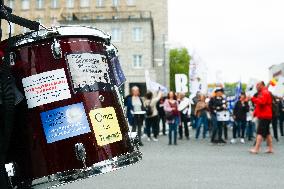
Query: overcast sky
pixel 242 38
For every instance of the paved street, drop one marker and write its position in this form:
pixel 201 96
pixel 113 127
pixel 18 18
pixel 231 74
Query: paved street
pixel 196 165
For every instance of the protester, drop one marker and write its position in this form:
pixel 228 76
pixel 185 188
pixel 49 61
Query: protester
pixel 250 122
pixel 217 104
pixel 152 118
pixel 193 118
pixel 240 116
pixel 263 111
pixel 172 116
pixel 275 116
pixel 162 115
pixel 201 114
pixel 184 108
pixel 281 115
pixel 135 111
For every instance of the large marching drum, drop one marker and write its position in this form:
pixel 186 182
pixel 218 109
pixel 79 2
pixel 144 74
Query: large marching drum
pixel 71 123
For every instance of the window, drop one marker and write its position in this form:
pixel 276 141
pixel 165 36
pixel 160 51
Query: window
pixel 100 17
pixel 137 34
pixel 115 3
pixel 11 4
pixel 100 3
pixel 130 2
pixel 84 3
pixel 70 3
pixel 137 61
pixel 25 4
pixel 39 4
pixel 116 34
pixel 54 4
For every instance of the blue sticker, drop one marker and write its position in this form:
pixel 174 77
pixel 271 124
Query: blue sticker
pixel 65 122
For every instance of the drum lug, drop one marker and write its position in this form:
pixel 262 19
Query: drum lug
pixel 12 58
pixel 80 152
pixel 56 49
pixel 11 172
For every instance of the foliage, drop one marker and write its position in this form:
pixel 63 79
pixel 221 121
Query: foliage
pixel 230 88
pixel 179 64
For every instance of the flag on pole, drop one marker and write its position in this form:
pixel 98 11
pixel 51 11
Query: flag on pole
pixel 238 91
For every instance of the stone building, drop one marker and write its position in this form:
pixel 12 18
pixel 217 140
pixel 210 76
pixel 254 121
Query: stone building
pixel 139 29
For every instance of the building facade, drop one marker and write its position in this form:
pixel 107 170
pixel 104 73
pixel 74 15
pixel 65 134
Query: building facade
pixel 276 71
pixel 138 28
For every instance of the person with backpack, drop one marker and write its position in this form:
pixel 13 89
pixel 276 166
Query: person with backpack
pixel 152 117
pixel 263 111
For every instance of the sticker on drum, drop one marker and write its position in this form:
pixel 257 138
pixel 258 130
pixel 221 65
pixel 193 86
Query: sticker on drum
pixel 105 125
pixel 118 75
pixel 46 87
pixel 65 122
pixel 87 70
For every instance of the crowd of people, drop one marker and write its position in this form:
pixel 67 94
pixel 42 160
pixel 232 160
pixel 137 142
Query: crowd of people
pixel 250 118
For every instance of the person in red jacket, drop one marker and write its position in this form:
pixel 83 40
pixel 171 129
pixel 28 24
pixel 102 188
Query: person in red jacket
pixel 263 111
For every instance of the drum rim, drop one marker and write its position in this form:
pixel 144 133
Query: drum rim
pixel 115 163
pixel 71 176
pixel 60 31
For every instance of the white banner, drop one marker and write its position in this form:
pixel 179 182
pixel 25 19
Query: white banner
pixel 181 83
pixel 279 88
pixel 251 87
pixel 154 86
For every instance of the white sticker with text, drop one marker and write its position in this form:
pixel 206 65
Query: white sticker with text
pixel 87 69
pixel 46 87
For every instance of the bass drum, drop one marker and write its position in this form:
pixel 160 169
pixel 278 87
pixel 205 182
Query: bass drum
pixel 71 124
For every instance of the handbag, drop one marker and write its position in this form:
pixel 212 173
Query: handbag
pixel 170 116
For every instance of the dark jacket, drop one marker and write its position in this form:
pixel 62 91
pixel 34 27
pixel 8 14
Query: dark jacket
pixel 129 106
pixel 281 108
pixel 240 111
pixel 217 104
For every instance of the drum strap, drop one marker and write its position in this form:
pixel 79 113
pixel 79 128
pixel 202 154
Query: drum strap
pixel 7 83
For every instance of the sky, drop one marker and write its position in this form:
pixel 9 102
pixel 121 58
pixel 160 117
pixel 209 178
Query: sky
pixel 240 39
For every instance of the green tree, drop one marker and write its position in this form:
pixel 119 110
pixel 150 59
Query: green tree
pixel 231 88
pixel 179 64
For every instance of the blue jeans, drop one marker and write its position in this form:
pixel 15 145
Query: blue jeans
pixel 239 128
pixel 250 129
pixel 173 128
pixel 202 120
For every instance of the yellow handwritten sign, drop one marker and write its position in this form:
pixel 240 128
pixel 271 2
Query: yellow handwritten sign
pixel 105 125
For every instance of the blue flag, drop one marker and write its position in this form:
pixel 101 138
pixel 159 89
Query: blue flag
pixel 238 91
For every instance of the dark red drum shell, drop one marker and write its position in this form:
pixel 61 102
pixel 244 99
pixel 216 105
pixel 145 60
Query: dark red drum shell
pixel 35 158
